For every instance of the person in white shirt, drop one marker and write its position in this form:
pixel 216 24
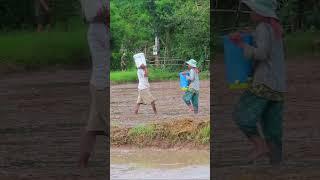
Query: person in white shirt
pixel 145 97
pixel 97 15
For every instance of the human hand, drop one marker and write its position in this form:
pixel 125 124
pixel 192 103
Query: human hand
pixel 145 73
pixel 104 14
pixel 246 30
pixel 236 38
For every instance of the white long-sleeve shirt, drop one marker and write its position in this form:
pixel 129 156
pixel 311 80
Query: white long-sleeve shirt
pixel 194 80
pixel 143 81
pixel 268 58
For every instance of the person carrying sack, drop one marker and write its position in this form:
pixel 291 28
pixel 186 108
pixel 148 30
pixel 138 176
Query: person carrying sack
pixel 97 15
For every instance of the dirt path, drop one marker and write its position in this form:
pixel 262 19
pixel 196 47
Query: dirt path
pixel 169 103
pixel 301 133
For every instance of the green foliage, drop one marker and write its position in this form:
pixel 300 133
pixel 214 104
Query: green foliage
pixel 300 18
pixel 301 43
pixel 142 130
pixel 115 60
pixel 300 15
pixel 294 14
pixel 129 24
pixel 17 14
pixel 154 75
pixel 204 134
pixel 182 26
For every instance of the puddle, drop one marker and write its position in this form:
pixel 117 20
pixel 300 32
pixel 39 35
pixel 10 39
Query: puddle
pixel 148 164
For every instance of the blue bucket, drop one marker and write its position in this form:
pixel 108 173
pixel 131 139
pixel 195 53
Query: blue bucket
pixel 184 83
pixel 238 69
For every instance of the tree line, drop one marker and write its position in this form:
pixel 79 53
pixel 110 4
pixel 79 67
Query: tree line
pixel 20 15
pixel 181 26
pixel 295 15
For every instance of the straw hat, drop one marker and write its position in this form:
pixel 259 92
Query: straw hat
pixel 266 8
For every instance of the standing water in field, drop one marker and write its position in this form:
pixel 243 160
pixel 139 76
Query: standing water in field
pixel 159 164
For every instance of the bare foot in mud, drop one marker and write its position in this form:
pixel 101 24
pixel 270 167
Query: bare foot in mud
pixel 137 109
pixel 84 158
pixel 156 117
pixel 256 154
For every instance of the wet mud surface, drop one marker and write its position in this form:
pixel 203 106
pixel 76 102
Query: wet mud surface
pixel 301 128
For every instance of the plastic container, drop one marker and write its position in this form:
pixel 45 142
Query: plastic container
pixel 238 69
pixel 139 59
pixel 184 83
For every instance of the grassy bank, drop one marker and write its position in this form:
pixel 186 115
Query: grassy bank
pixel 180 132
pixel 302 44
pixel 117 77
pixel 32 50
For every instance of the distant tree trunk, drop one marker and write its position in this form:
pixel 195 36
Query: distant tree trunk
pixel 145 50
pixel 157 44
pixel 168 48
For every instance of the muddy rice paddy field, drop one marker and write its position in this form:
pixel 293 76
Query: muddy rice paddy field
pixel 41 110
pixel 169 104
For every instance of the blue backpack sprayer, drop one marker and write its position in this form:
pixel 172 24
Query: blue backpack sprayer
pixel 184 83
pixel 239 70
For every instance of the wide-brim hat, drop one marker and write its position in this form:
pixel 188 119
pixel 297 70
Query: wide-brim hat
pixel 266 8
pixel 192 63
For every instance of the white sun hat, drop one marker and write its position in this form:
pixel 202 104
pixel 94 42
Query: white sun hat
pixel 192 63
pixel 266 8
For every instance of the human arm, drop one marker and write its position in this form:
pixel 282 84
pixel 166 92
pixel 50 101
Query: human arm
pixel 263 44
pixel 145 72
pixel 44 5
pixel 184 73
pixel 191 76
